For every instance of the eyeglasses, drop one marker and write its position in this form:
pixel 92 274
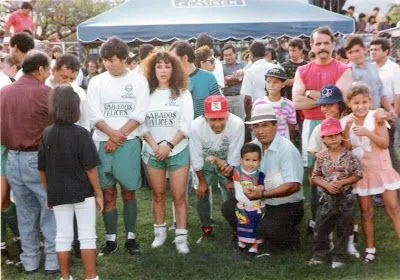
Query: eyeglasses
pixel 211 60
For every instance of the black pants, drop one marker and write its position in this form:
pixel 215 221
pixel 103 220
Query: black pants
pixel 278 226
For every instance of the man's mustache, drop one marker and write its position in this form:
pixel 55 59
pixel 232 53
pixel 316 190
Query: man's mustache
pixel 323 51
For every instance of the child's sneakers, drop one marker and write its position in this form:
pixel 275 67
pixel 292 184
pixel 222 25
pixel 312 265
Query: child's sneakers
pixel 160 235
pixel 181 242
pixel 241 245
pixel 370 255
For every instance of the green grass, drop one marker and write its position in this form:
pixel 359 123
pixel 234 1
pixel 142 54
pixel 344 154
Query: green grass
pixel 215 259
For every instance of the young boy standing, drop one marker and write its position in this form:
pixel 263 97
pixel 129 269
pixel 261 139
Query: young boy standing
pixel 335 171
pixel 283 107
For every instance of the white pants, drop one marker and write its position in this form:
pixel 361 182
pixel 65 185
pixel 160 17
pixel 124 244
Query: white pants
pixel 86 219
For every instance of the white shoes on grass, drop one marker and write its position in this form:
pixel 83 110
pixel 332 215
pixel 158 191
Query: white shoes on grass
pixel 180 241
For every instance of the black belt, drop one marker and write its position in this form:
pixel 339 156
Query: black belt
pixel 231 94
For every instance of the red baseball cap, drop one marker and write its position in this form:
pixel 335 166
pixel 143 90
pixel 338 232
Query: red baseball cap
pixel 330 127
pixel 216 107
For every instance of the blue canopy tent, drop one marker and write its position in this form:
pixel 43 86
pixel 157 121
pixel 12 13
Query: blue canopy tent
pixel 167 20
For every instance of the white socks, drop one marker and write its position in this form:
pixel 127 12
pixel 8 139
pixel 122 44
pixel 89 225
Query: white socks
pixel 160 235
pixel 181 241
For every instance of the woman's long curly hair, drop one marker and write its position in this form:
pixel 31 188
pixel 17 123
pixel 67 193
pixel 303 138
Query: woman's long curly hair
pixel 178 79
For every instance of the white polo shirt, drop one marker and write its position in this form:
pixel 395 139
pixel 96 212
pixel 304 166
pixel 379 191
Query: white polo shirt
pixel 254 79
pixel 390 76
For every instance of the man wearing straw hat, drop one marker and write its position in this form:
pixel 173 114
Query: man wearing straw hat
pixel 281 163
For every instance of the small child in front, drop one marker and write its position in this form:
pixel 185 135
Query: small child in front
pixel 248 212
pixel 67 164
pixel 335 171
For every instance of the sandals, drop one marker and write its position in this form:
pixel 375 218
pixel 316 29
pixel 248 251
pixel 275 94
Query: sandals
pixel 370 255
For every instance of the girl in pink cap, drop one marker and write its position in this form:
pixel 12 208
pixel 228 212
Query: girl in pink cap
pixel 366 132
pixel 335 172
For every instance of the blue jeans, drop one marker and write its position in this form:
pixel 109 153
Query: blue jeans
pixel 33 215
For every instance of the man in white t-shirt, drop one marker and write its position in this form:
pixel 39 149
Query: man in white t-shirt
pixel 218 133
pixel 389 72
pixel 253 84
pixel 65 71
pixel 117 101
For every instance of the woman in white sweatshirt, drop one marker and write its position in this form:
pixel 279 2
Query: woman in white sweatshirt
pixel 165 131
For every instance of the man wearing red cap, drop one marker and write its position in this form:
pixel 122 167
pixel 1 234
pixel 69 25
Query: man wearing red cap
pixel 217 133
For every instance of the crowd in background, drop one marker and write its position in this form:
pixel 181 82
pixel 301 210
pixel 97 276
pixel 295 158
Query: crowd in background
pixel 187 112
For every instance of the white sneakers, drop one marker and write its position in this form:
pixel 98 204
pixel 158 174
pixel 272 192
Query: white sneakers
pixel 181 241
pixel 160 235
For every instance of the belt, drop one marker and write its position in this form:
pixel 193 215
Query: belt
pixel 231 94
pixel 27 149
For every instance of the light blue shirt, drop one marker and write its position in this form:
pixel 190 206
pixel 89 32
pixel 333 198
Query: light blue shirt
pixel 282 163
pixel 369 75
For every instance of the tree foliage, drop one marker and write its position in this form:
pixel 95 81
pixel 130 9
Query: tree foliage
pixel 57 16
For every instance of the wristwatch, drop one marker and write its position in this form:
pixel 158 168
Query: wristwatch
pixel 308 95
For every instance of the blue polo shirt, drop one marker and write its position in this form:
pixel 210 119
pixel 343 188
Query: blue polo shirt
pixel 282 163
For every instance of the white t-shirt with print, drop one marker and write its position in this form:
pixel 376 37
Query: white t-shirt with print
pixel 166 116
pixel 116 100
pixel 203 141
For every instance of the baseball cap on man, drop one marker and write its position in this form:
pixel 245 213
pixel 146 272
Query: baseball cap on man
pixel 276 73
pixel 262 111
pixel 330 94
pixel 216 107
pixel 330 127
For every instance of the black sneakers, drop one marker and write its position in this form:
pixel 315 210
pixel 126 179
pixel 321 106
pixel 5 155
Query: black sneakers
pixel 132 247
pixel 109 248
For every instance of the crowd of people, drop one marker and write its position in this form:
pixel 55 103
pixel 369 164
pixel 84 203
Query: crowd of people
pixel 71 138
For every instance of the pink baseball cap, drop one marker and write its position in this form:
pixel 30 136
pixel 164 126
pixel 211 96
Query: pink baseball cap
pixel 330 127
pixel 216 107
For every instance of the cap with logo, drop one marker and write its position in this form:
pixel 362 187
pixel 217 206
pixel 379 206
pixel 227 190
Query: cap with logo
pixel 330 127
pixel 261 112
pixel 276 73
pixel 330 94
pixel 216 107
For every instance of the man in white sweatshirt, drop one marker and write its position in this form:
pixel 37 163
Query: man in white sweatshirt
pixel 217 133
pixel 117 101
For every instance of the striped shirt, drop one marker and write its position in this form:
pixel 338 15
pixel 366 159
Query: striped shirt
pixel 284 111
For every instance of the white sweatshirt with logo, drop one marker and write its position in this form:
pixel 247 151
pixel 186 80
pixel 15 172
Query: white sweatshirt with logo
pixel 166 116
pixel 116 100
pixel 205 142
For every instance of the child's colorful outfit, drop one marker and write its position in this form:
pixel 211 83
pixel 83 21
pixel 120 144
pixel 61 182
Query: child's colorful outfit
pixel 378 173
pixel 334 210
pixel 248 212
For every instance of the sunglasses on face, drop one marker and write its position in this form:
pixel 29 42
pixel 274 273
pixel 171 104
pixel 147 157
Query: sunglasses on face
pixel 211 60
